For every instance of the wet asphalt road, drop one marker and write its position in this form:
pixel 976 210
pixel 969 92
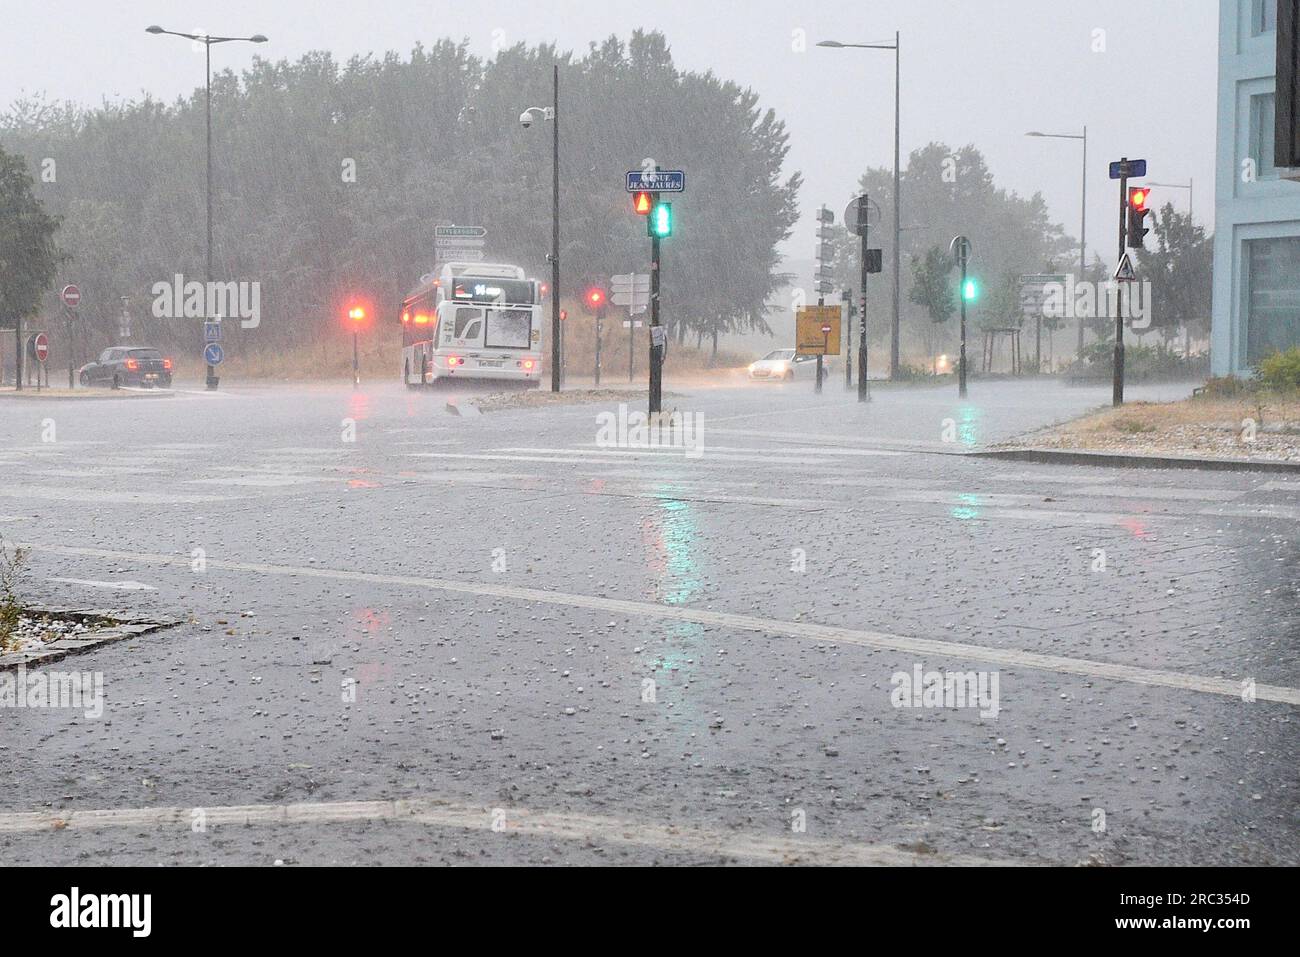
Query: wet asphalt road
pixel 468 612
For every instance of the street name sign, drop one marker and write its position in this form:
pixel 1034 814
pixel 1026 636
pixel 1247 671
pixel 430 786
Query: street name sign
pixel 459 232
pixel 1131 169
pixel 656 181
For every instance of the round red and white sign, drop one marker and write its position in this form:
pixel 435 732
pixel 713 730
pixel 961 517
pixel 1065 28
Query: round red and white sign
pixel 42 346
pixel 71 296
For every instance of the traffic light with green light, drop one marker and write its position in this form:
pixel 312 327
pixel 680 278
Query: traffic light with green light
pixel 970 290
pixel 661 220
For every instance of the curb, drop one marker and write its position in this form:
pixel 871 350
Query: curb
pixel 52 395
pixel 1125 461
pixel 116 628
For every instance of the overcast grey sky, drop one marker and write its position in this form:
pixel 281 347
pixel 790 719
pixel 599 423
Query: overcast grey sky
pixel 979 71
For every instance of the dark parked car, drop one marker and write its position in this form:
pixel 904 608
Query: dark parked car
pixel 128 365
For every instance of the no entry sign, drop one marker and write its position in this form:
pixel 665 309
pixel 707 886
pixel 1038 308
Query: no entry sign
pixel 41 346
pixel 71 296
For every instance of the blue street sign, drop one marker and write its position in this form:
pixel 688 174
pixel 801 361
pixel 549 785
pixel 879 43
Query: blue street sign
pixel 662 181
pixel 213 354
pixel 1136 169
pixel 212 332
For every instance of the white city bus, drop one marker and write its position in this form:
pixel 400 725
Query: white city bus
pixel 473 321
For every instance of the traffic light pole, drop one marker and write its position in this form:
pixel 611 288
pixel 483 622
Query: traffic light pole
pixel 1117 386
pixel 656 331
pixel 631 338
pixel 555 237
pixel 847 296
pixel 961 374
pixel 600 315
pixel 864 394
pixel 821 359
pixel 18 354
pixel 356 364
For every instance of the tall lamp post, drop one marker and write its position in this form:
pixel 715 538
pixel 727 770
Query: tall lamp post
pixel 207 42
pixel 898 237
pixel 552 113
pixel 1191 195
pixel 1083 223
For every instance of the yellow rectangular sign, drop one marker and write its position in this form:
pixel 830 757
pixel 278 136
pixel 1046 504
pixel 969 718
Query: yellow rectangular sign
pixel 817 331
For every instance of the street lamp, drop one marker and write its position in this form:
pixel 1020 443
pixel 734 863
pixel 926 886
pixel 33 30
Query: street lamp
pixel 207 42
pixel 1191 210
pixel 898 237
pixel 552 113
pixel 1083 226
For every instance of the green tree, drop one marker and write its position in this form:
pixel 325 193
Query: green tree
pixel 932 286
pixel 29 256
pixel 947 192
pixel 1180 269
pixel 932 290
pixel 329 178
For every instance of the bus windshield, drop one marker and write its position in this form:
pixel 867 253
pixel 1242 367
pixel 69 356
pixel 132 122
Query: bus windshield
pixel 515 292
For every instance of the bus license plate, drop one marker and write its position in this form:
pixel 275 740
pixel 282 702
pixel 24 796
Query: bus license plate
pixel 490 363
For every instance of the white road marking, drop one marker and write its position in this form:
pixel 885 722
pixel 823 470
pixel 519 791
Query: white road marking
pixel 784 453
pixel 1255 511
pixel 1161 494
pixel 114 586
pixel 1280 486
pixel 86 495
pixel 515 821
pixel 922 647
pixel 708 457
pixel 265 481
pixel 783 410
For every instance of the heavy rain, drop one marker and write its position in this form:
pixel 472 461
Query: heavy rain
pixel 598 434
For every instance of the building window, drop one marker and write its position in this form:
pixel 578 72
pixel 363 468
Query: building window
pixel 1272 296
pixel 1263 17
pixel 1263 119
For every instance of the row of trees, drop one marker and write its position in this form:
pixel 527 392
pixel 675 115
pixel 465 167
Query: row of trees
pixel 330 178
pixel 949 191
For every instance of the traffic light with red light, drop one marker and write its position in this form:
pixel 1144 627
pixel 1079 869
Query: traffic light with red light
pixel 1138 199
pixel 595 299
